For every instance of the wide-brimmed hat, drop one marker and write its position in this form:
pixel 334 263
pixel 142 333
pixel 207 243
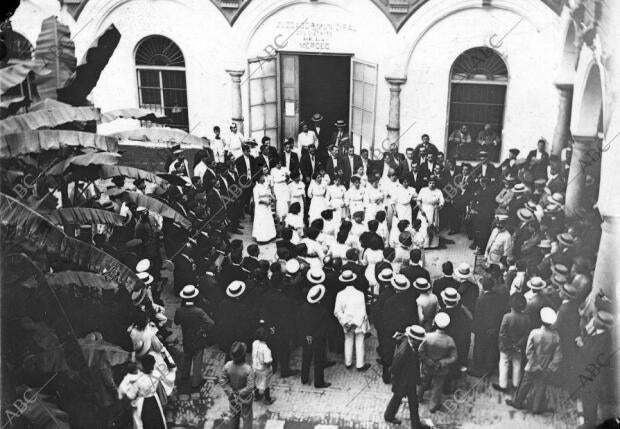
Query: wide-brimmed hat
pixel 604 318
pixel 415 332
pixel 347 276
pixel 235 289
pixel 510 178
pixel 146 278
pixel 548 316
pixel 189 292
pixel 143 265
pixel 483 154
pixel 315 275
pixel 442 320
pixel 569 290
pixel 385 275
pixel 317 117
pixel 141 209
pixel 525 215
pixel 463 271
pixel 238 350
pixel 519 188
pixel 340 123
pixel 552 208
pixel 315 294
pixel 450 297
pixel 400 282
pixel 292 266
pixel 558 280
pixel 560 269
pixel 531 205
pixel 501 217
pixel 557 198
pixel 536 283
pixel 421 284
pixel 566 239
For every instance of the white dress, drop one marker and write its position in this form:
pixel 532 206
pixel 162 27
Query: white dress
pixel 354 200
pixel 318 202
pixel 372 258
pixel 403 199
pixel 339 250
pixel 263 228
pixel 297 193
pixel 335 196
pixel 430 201
pixel 281 190
pixel 296 223
pixel 373 202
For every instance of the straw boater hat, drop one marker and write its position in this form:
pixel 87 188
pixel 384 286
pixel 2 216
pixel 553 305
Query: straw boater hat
pixel 604 318
pixel 531 205
pixel 238 350
pixel 544 244
pixel 442 320
pixel 450 297
pixel 525 215
pixel 536 283
pixel 548 316
pixel 566 239
pixel 340 123
pixel 557 199
pixel 500 217
pixel 235 289
pixel 569 291
pixel 292 266
pixel 315 276
pixel 146 278
pixel 143 265
pixel 315 294
pixel 558 280
pixel 421 284
pixel 510 178
pixel 552 208
pixel 519 188
pixel 463 271
pixel 400 282
pixel 317 117
pixel 385 275
pixel 347 276
pixel 141 209
pixel 415 332
pixel 560 269
pixel 189 292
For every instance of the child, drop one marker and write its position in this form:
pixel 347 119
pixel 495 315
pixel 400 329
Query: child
pixel 262 365
pixel 237 380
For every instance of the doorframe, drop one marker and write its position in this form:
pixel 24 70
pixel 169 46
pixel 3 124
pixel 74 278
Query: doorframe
pixel 279 82
pixel 371 151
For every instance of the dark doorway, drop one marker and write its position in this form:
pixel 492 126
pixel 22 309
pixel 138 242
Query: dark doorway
pixel 324 82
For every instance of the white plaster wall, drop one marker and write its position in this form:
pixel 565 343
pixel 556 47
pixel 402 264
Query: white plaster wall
pixel 29 15
pixel 531 99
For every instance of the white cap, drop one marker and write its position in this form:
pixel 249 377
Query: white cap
pixel 442 320
pixel 292 266
pixel 143 265
pixel 548 316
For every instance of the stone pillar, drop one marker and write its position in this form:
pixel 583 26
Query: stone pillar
pixel 585 159
pixel 393 127
pixel 237 110
pixel 561 135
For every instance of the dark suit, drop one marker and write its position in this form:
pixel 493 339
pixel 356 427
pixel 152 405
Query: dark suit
pixel 306 167
pixel 427 170
pixel 314 324
pixel 380 166
pixel 329 166
pixel 405 371
pixel 346 167
pixel 293 164
pixel 405 169
pixel 217 207
pixel 413 272
pixel 261 161
pixel 538 168
pixel 416 180
pixel 340 139
pixel 557 184
pixel 323 136
pixel 444 283
pixel 490 309
pixel 246 178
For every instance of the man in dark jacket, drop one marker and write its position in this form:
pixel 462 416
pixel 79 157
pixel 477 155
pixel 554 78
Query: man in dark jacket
pixel 405 372
pixel 490 310
pixel 446 281
pixel 314 324
pixel 459 330
pixel 414 270
pixel 236 320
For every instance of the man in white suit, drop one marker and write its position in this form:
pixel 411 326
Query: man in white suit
pixel 350 310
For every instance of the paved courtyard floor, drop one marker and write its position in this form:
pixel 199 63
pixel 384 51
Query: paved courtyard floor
pixel 357 400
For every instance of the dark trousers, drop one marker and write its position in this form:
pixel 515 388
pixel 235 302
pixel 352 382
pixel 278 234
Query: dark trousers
pixel 536 383
pixel 394 405
pixel 282 349
pixel 452 217
pixel 315 351
pixel 486 352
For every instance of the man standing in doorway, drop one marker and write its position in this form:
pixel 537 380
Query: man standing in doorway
pixel 321 132
pixel 340 137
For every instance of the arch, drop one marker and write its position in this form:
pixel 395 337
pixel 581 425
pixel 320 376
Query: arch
pixel 476 97
pixel 160 70
pixel 570 56
pixel 589 117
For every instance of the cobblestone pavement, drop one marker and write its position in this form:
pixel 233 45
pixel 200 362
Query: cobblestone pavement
pixel 357 400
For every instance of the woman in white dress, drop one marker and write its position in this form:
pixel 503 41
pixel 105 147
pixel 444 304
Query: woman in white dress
pixel 297 190
pixel 354 197
pixel 401 252
pixel 340 247
pixel 403 199
pixel 431 201
pixel 419 238
pixel 294 220
pixel 373 199
pixel 280 188
pixel 335 197
pixel 316 194
pixel 371 257
pixel 263 228
pixel 387 169
pixel 390 190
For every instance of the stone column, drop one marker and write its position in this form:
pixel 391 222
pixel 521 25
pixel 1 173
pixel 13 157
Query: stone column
pixel 393 127
pixel 585 159
pixel 237 110
pixel 561 134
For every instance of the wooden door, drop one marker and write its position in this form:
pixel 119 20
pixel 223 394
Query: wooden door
pixel 289 78
pixel 263 99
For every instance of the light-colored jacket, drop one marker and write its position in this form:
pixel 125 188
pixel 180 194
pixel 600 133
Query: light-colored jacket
pixel 543 350
pixel 350 309
pixel 500 244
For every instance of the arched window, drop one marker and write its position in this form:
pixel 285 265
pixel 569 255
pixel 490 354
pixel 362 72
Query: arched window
pixel 478 83
pixel 161 79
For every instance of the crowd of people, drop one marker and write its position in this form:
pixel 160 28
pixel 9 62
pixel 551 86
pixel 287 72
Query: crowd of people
pixel 351 234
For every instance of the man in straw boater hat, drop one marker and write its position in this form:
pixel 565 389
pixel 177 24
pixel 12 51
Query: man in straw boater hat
pixel 340 137
pixel 460 331
pixel 499 246
pixel 437 353
pixel 544 354
pixel 468 290
pixel 314 326
pixel 427 303
pixel 536 299
pixel 350 310
pixel 405 376
pixel 237 321
pixel 567 326
pixel 237 381
pixel 196 328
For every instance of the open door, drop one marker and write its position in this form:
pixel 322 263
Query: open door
pixel 363 100
pixel 289 75
pixel 263 99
